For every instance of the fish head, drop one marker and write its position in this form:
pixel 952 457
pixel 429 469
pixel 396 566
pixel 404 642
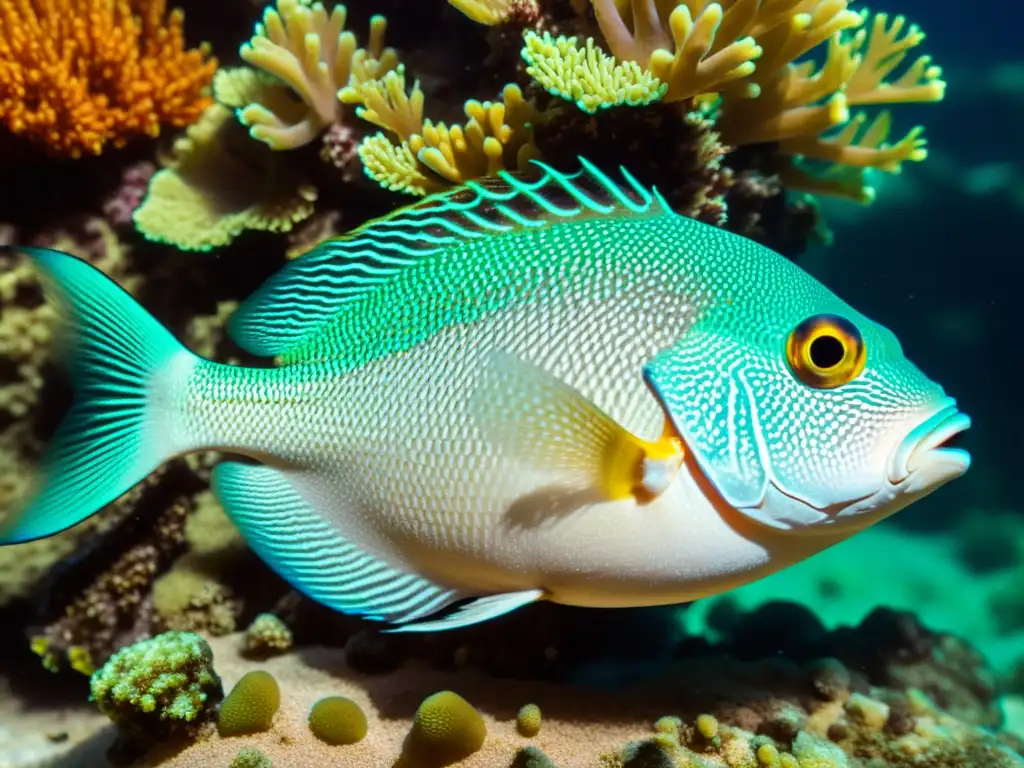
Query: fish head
pixel 809 416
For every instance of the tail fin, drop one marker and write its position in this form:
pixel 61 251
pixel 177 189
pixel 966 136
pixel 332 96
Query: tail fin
pixel 114 435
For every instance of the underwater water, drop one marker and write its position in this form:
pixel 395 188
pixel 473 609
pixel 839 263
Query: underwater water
pixel 554 334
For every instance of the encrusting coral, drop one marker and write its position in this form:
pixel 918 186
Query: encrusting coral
pixel 267 635
pixel 77 75
pixel 217 185
pixel 158 686
pixel 303 48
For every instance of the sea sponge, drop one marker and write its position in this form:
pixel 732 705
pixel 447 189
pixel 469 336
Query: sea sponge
pixel 528 720
pixel 251 705
pixel 337 720
pixel 159 685
pixel 446 728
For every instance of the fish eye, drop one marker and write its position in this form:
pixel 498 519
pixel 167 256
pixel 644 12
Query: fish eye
pixel 826 351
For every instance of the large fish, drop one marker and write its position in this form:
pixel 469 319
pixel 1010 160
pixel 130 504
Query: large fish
pixel 518 390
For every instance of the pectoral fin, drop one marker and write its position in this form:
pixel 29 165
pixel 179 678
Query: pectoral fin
pixel 542 421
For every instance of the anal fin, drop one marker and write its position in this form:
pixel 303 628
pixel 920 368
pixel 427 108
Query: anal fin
pixel 316 558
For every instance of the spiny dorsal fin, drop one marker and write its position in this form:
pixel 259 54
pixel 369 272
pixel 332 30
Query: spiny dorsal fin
pixel 297 302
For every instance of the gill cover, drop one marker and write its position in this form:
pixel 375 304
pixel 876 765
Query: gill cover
pixel 709 387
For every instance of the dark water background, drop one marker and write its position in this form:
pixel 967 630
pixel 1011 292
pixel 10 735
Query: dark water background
pixel 939 257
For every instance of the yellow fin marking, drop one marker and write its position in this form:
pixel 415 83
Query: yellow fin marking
pixel 538 419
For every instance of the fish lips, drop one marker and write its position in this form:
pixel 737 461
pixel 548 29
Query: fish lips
pixel 926 448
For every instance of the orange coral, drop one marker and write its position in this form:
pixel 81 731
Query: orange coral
pixel 78 74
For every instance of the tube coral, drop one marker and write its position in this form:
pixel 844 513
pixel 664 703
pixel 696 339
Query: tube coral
pixel 77 75
pixel 302 47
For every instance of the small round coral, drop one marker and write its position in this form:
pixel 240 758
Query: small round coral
pixel 158 685
pixel 337 720
pixel 250 757
pixel 528 720
pixel 707 726
pixel 446 729
pixel 251 705
pixel 267 635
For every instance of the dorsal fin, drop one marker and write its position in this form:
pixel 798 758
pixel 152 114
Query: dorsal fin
pixel 298 301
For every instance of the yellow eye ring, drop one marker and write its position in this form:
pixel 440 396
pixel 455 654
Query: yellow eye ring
pixel 826 351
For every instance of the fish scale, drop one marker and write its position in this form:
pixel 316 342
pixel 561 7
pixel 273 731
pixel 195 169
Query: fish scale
pixel 522 389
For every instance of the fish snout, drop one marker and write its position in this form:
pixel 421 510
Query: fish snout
pixel 929 451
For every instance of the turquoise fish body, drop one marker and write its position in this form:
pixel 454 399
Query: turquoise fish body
pixel 556 389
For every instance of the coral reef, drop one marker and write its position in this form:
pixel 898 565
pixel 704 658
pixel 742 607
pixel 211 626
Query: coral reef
pixel 77 75
pixel 703 708
pixel 740 112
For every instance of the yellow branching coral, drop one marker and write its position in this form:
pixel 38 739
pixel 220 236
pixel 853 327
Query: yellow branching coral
pixel 424 156
pixel 218 185
pixel 309 51
pixel 743 58
pixel 587 76
pixel 700 47
pixel 806 109
pixel 77 75
pixel 885 51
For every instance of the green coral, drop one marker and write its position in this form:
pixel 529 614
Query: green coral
pixel 158 685
pixel 337 720
pixel 251 705
pixel 250 757
pixel 587 76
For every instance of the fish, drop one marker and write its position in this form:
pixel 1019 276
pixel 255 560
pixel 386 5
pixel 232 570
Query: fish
pixel 524 388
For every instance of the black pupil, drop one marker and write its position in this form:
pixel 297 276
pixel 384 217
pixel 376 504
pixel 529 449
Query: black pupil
pixel 827 351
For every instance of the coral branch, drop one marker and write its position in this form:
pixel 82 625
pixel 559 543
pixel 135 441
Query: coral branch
pixel 427 156
pixel 302 47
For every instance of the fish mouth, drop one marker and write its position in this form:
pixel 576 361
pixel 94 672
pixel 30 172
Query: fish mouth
pixel 931 446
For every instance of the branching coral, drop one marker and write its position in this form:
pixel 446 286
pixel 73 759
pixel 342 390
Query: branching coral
pixel 76 75
pixel 742 56
pixel 299 46
pixel 217 186
pixel 421 156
